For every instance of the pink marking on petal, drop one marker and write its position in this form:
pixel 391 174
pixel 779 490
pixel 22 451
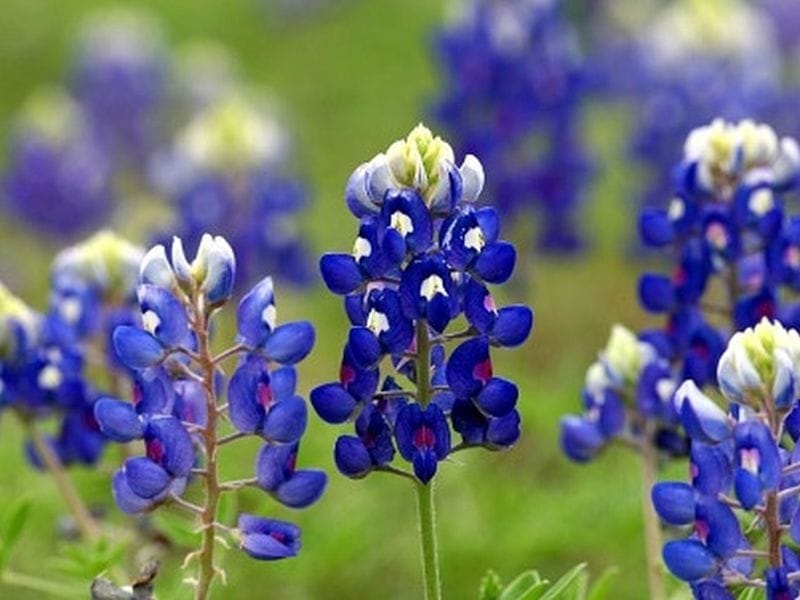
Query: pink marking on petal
pixel 137 394
pixel 155 450
pixel 694 471
pixel 277 535
pixel 702 530
pixel 792 257
pixel 679 278
pixel 424 438
pixel 347 374
pixel 483 371
pixel 750 459
pixel 264 395
pixel 488 304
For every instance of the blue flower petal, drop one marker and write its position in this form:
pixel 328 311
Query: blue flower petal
pixel 352 457
pixel 498 397
pixel 256 313
pixel 136 348
pixel 290 343
pixel 286 420
pixel 333 403
pixel 688 560
pixel 118 420
pixel 674 502
pixel 495 263
pixel 512 326
pixel 145 478
pixel 340 273
pixel 302 489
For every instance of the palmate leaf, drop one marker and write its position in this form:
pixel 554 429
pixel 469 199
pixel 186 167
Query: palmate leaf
pixel 87 561
pixel 528 586
pixel 12 523
pixel 571 586
pixel 491 586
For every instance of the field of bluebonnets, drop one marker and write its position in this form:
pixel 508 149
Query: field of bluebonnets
pixel 246 119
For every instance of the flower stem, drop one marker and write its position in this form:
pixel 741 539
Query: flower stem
pixel 208 515
pixel 86 522
pixel 652 530
pixel 427 532
pixel 425 493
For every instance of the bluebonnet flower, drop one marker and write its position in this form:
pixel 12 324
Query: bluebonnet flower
pixel 176 411
pixel 732 243
pixel 45 371
pixel 57 178
pixel 689 62
pixel 742 465
pixel 227 172
pixel 421 261
pixel 119 74
pixel 422 258
pixel 513 91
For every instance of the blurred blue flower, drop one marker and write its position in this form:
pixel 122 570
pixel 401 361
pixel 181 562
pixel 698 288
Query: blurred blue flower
pixel 512 95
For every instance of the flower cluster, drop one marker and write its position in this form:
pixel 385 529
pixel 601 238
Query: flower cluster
pixel 627 396
pixel 227 172
pixel 423 257
pixel 514 87
pixel 45 359
pixel 736 256
pixel 177 129
pixel 688 63
pixel 176 412
pixel 741 507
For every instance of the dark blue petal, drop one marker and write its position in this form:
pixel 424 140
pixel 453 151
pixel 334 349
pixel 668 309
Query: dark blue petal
pixel 495 263
pixel 290 343
pixel 503 432
pixel 340 273
pixel 268 539
pixel 302 489
pixel 136 348
pixel 283 382
pixel 286 420
pixel 674 502
pixel 425 464
pixel 274 465
pixel 701 417
pixel 498 398
pixel 469 368
pixel 352 457
pixel 364 346
pixel 748 488
pixel 656 292
pixel 246 411
pixel 118 420
pixel 512 326
pixel 166 437
pixel 724 534
pixel 688 559
pixel 126 500
pixel 145 478
pixel 655 228
pixel 333 403
pixel 581 439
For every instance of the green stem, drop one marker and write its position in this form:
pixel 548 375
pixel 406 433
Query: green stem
pixel 652 529
pixel 86 523
pixel 35 584
pixel 425 493
pixel 208 516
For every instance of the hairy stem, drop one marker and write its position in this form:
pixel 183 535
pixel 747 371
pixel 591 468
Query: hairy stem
pixel 86 522
pixel 425 495
pixel 652 530
pixel 211 480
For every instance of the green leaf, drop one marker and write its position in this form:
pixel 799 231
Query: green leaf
pixel 524 587
pixel 601 588
pixel 571 586
pixel 751 594
pixel 491 586
pixel 13 521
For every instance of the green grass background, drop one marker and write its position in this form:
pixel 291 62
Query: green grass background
pixel 352 80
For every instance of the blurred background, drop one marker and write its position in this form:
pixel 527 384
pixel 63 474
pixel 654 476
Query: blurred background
pixel 578 111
